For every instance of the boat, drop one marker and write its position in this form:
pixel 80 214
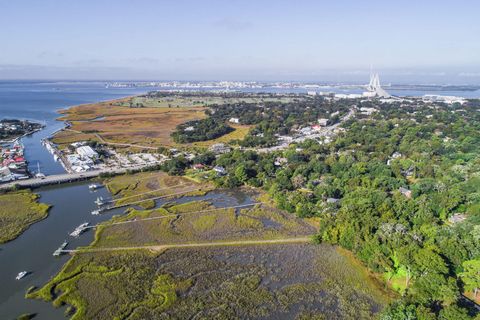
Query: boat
pixel 60 249
pixel 96 212
pixel 21 275
pixel 78 230
pixel 39 174
pixel 99 202
pixel 94 186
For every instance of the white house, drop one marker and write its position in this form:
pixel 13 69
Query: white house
pixel 323 122
pixel 86 152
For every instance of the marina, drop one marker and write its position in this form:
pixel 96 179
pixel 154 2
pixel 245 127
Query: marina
pixel 33 249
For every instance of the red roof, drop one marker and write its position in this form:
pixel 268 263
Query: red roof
pixel 19 159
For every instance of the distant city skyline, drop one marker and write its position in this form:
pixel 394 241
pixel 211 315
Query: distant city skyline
pixel 409 41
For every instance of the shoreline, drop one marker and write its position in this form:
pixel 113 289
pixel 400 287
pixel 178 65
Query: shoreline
pixel 26 134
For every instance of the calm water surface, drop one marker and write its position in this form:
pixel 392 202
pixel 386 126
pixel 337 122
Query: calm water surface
pixel 72 203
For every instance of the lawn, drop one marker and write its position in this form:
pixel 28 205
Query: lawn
pixel 19 210
pixel 239 132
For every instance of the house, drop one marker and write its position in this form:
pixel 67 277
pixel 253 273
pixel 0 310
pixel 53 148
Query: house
pixel 198 166
pixel 367 111
pixel 457 217
pixel 409 172
pixel 394 156
pixel 219 148
pixel 234 120
pixel 322 122
pixel 333 200
pixel 407 193
pixel 191 128
pixel 78 144
pixel 6 175
pixel 220 170
pixel 189 156
pixel 280 161
pixel 306 131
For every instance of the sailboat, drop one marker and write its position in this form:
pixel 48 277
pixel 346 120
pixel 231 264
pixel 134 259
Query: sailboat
pixel 39 174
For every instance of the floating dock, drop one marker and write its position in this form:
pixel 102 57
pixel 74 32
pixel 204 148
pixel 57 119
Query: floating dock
pixel 59 251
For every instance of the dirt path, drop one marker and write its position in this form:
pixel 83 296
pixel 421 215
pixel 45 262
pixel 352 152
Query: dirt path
pixel 102 140
pixel 196 245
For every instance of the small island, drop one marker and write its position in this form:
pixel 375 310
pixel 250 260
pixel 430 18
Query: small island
pixel 12 129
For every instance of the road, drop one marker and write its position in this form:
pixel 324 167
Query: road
pixel 325 132
pixel 66 177
pixel 195 245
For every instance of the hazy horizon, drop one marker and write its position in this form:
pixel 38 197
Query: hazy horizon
pixel 407 42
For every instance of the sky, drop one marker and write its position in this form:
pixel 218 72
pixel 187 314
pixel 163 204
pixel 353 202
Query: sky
pixel 421 41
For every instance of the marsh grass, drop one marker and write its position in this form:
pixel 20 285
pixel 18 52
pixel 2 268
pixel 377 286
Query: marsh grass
pixel 268 282
pixel 194 222
pixel 129 188
pixel 19 210
pixel 116 122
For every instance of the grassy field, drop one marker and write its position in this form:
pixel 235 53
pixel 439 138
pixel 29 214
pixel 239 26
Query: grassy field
pixel 238 134
pixel 18 210
pixel 294 281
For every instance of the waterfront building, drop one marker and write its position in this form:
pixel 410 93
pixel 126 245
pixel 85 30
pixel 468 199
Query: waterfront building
pixel 87 152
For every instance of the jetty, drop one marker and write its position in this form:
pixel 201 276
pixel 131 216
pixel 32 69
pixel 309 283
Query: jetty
pixel 60 249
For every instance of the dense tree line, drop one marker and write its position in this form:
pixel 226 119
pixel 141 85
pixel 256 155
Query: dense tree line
pixel 354 186
pixel 200 130
pixel 269 118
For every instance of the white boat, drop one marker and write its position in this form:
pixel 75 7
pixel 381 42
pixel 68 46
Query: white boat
pixel 94 186
pixel 39 174
pixel 96 212
pixel 78 230
pixel 21 275
pixel 99 201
